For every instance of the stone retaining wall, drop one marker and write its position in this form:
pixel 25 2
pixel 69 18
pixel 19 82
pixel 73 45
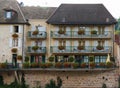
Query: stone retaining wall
pixel 71 79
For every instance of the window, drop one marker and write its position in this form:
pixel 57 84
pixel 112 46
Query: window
pixel 96 59
pixel 103 58
pixel 16 29
pixel 15 42
pixel 86 59
pixel 8 14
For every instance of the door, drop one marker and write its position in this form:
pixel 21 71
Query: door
pixel 43 58
pixel 14 60
pixel 32 59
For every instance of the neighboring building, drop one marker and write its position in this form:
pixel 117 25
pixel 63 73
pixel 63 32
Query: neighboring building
pixel 77 34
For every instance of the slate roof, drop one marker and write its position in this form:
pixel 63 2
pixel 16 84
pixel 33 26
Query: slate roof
pixel 10 5
pixel 81 14
pixel 32 12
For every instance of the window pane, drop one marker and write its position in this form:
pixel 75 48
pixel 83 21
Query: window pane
pixel 8 14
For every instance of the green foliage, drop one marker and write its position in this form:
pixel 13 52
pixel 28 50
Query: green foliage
pixel 53 84
pixel 104 85
pixel 23 84
pixel 26 58
pixel 91 58
pixel 71 59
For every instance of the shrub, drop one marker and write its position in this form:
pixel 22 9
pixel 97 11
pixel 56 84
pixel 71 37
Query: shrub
pixel 42 65
pixel 81 47
pixel 91 58
pixel 71 59
pixel 26 65
pixel 34 65
pixel 109 64
pixel 19 57
pixel 15 35
pixel 66 64
pixel 35 48
pixel 102 64
pixel 35 32
pixel 26 58
pixel 14 50
pixel 100 47
pixel 92 64
pixel 48 65
pixel 104 85
pixel 61 47
pixel 81 32
pixel 61 32
pixel 83 65
pixel 75 65
pixel 51 58
pixel 58 65
pixel 93 32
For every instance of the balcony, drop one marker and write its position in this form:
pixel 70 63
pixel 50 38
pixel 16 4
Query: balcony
pixel 38 51
pixel 67 66
pixel 75 35
pixel 39 35
pixel 75 50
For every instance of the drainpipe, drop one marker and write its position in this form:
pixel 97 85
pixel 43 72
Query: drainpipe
pixel 23 44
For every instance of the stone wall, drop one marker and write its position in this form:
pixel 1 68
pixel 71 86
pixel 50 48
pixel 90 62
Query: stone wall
pixel 71 79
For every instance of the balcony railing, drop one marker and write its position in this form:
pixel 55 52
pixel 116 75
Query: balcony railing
pixel 40 35
pixel 74 34
pixel 74 49
pixel 40 50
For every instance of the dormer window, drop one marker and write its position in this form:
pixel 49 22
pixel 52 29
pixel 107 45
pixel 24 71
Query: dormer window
pixel 8 15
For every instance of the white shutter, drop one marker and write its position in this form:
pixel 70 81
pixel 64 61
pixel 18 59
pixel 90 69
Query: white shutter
pixel 33 43
pixel 20 29
pixel 41 28
pixel 56 43
pixel 11 28
pixel 19 42
pixel 33 27
pixel 43 43
pixel 76 43
pixel 10 42
pixel 87 43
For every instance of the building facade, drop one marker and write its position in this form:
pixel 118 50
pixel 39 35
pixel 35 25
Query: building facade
pixel 73 41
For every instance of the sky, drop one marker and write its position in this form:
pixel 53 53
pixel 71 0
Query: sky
pixel 111 5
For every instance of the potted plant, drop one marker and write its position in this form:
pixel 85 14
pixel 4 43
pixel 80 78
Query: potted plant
pixel 58 65
pixel 19 57
pixel 3 65
pixel 35 48
pixel 66 64
pixel 34 65
pixel 91 58
pixel 81 32
pixel 61 31
pixel 26 59
pixel 42 65
pixel 71 59
pixel 109 64
pixel 15 35
pixel 92 64
pixel 94 32
pixel 83 65
pixel 61 47
pixel 100 47
pixel 35 32
pixel 26 65
pixel 102 64
pixel 14 50
pixel 51 58
pixel 75 65
pixel 48 65
pixel 81 47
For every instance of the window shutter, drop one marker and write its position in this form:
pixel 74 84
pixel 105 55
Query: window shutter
pixel 33 43
pixel 33 27
pixel 10 42
pixel 20 28
pixel 11 28
pixel 19 42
